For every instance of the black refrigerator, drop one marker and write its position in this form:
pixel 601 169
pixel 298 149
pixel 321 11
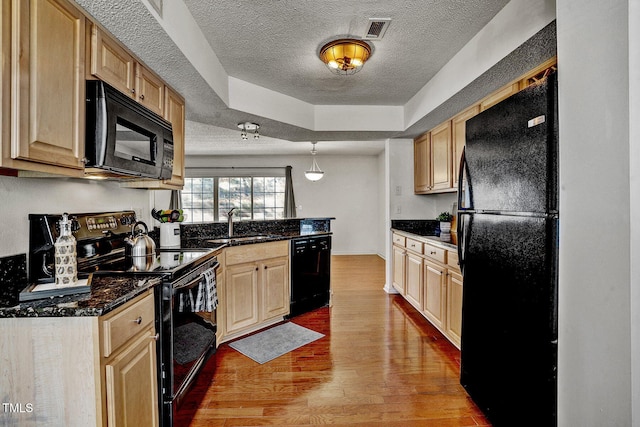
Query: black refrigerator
pixel 508 249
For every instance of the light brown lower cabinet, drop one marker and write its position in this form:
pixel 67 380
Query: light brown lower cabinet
pixel 275 288
pixel 454 306
pixel 241 296
pixel 128 343
pixel 255 291
pixel 428 277
pixel 435 284
pixel 415 278
pixel 130 389
pixel 82 371
pixel 399 261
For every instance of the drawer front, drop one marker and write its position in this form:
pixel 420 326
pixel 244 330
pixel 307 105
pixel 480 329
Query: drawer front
pixel 398 239
pixel 452 260
pixel 256 252
pixel 414 245
pixel 120 326
pixel 435 253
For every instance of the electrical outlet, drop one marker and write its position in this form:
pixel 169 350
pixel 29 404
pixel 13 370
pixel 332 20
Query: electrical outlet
pixel 398 209
pixel 398 190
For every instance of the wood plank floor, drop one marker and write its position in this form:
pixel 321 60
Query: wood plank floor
pixel 380 364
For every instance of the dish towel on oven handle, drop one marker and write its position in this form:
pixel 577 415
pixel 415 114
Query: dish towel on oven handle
pixel 206 298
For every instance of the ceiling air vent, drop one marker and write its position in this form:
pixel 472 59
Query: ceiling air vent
pixel 377 27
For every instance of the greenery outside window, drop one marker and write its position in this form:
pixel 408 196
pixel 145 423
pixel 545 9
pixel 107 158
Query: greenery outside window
pixel 207 199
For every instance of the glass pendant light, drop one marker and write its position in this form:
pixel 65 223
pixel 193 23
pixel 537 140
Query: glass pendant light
pixel 314 174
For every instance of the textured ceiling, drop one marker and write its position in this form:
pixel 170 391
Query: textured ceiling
pixel 250 36
pixel 274 44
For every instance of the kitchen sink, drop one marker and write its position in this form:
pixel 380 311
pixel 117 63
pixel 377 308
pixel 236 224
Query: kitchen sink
pixel 233 239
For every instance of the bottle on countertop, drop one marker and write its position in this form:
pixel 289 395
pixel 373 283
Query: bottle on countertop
pixel 66 267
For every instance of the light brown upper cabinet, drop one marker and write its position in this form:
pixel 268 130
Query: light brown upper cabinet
pixel 174 112
pixel 149 90
pixel 422 164
pixel 499 95
pixel 432 161
pixel 112 63
pixel 440 157
pixel 458 132
pixel 437 153
pixel 44 103
pixel 49 49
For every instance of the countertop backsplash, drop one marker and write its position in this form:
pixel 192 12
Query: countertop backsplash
pixel 13 278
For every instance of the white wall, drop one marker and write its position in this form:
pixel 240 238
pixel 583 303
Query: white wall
pixel 404 204
pixel 595 246
pixel 21 196
pixel 348 191
pixel 383 204
pixel 634 138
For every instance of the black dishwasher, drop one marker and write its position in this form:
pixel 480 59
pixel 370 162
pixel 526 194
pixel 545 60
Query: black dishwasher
pixel 310 273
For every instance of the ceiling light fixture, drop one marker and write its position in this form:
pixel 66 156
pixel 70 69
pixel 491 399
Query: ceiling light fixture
pixel 345 56
pixel 248 126
pixel 314 174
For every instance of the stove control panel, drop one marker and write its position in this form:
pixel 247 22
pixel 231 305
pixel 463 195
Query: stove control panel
pixel 104 223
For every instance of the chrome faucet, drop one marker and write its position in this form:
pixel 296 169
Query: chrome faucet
pixel 230 222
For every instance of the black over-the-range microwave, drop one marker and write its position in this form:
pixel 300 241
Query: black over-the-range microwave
pixel 125 137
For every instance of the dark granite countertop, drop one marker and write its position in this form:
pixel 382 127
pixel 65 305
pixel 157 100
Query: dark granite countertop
pixel 238 240
pixel 107 293
pixel 111 291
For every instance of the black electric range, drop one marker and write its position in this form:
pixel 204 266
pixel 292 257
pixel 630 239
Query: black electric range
pixel 186 337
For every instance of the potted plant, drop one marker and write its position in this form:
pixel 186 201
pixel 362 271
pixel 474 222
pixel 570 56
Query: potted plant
pixel 445 222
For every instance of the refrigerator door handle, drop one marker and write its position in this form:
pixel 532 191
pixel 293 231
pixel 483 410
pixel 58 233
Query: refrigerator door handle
pixel 461 208
pixel 464 186
pixel 460 178
pixel 461 242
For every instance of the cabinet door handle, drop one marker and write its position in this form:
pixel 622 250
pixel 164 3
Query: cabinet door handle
pixel 155 337
pixel 142 96
pixel 265 267
pixel 432 252
pixel 133 91
pixel 138 320
pixel 257 268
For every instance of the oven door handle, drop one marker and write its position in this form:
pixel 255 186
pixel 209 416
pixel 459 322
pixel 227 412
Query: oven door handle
pixel 195 281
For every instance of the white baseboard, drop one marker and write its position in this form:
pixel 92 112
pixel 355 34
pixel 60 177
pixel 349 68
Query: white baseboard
pixel 390 289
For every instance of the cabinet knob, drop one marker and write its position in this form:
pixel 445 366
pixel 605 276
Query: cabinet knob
pixel 257 268
pixel 138 320
pixel 265 267
pixel 142 96
pixel 155 337
pixel 133 90
pixel 432 252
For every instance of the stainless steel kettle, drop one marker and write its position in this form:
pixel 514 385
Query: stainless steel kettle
pixel 139 244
